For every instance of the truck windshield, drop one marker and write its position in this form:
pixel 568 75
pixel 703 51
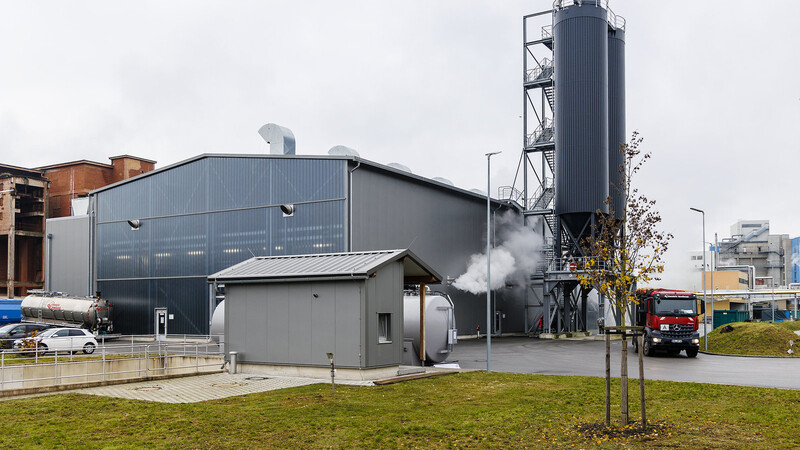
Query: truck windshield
pixel 675 307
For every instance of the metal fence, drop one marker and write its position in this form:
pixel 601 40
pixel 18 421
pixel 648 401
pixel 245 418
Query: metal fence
pixel 119 358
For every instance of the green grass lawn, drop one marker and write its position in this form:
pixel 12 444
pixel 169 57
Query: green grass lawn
pixel 464 410
pixel 754 338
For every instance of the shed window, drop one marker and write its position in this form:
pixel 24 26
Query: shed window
pixel 384 328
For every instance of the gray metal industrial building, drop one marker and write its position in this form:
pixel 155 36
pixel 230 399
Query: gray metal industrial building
pixel 156 238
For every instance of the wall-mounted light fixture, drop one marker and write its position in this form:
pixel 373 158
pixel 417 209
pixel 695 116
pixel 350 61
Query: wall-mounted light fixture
pixel 287 210
pixel 135 224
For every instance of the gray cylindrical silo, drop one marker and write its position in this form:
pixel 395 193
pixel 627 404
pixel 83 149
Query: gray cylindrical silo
pixel 581 112
pixel 616 116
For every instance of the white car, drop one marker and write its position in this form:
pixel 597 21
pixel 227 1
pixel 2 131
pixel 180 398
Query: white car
pixel 60 340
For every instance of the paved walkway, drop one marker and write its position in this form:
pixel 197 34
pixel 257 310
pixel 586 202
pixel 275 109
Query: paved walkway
pixel 204 387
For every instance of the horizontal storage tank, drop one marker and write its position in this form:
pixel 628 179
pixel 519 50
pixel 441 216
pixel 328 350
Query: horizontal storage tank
pixel 580 34
pixel 91 313
pixel 218 322
pixel 440 325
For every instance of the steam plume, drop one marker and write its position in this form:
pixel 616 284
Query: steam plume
pixel 516 257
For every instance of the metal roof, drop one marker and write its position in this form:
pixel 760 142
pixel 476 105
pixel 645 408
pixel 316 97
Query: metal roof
pixel 353 159
pixel 352 265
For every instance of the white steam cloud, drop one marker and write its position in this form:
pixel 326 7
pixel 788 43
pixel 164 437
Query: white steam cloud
pixel 516 257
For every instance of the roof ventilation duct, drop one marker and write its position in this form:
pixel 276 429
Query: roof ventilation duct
pixel 443 181
pixel 280 139
pixel 399 166
pixel 341 150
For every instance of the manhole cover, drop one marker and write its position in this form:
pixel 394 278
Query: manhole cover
pixel 226 385
pixel 256 378
pixel 148 388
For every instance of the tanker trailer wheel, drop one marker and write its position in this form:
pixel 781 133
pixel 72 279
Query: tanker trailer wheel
pixel 88 348
pixel 691 352
pixel 647 348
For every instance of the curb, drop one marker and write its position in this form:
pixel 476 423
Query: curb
pixel 8 393
pixel 747 356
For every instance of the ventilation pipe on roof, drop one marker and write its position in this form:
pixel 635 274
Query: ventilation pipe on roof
pixel 280 139
pixel 399 166
pixel 341 150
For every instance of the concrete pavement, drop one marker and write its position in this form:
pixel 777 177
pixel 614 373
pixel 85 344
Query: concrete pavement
pixel 587 358
pixel 205 387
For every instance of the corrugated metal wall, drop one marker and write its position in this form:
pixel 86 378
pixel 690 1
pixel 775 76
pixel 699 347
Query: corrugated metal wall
pixel 616 116
pixel 581 113
pixel 440 226
pixel 284 324
pixel 203 216
pixel 68 257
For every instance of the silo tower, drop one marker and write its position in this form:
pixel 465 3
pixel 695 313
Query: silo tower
pixel 574 97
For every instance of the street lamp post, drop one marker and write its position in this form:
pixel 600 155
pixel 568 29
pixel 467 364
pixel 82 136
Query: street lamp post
pixel 705 305
pixel 489 261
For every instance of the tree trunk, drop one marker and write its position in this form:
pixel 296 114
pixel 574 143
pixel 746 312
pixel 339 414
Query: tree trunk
pixel 623 379
pixel 641 383
pixel 608 379
pixel 623 373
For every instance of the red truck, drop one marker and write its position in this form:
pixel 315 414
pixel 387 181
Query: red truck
pixel 670 321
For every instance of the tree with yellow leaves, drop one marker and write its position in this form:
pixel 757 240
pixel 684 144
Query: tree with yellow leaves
pixel 625 249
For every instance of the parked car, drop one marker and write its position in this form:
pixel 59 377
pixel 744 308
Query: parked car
pixel 59 340
pixel 13 331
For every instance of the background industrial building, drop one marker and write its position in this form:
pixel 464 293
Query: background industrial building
pixel 764 259
pixel 30 196
pixel 23 205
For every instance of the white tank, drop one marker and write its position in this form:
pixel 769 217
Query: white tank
pixel 440 325
pixel 218 321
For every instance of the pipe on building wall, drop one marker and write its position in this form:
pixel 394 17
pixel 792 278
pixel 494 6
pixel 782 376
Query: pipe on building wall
pixel 350 206
pixel 49 258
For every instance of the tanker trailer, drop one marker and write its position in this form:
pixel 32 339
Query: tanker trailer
pixel 59 309
pixel 440 325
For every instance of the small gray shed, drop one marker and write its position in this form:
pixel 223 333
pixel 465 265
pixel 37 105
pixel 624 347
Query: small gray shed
pixel 292 310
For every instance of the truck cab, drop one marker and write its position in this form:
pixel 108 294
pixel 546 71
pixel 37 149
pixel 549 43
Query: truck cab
pixel 670 321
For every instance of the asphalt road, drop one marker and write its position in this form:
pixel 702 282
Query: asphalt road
pixel 576 357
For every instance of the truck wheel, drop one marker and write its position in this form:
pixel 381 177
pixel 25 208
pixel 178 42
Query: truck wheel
pixel 647 348
pixel 691 352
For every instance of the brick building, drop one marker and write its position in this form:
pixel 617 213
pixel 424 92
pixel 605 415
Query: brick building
pixel 76 179
pixel 23 206
pixel 29 196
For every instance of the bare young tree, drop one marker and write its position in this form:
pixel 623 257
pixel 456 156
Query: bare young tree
pixel 627 248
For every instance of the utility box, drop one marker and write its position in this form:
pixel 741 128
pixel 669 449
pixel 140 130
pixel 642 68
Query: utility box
pixel 293 310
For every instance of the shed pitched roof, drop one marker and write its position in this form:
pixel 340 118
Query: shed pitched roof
pixel 352 265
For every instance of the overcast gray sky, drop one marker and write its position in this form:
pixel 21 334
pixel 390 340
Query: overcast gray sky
pixel 712 87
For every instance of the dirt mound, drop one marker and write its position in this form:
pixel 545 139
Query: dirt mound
pixel 752 338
